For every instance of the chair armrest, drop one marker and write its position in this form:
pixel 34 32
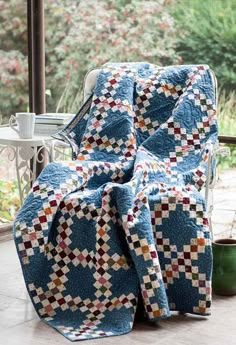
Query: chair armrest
pixel 57 143
pixel 215 151
pixel 211 176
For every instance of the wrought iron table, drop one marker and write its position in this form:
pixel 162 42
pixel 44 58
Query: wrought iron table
pixel 26 153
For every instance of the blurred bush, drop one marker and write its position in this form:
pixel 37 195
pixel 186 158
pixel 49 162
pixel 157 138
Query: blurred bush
pixel 86 34
pixel 81 35
pixel 227 125
pixel 9 200
pixel 207 32
pixel 227 112
pixel 13 57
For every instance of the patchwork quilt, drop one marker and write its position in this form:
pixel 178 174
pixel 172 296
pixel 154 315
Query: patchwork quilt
pixel 124 220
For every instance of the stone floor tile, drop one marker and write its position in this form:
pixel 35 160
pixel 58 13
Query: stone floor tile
pixel 15 311
pixel 38 334
pixel 13 285
pixel 224 199
pixel 222 235
pixel 222 221
pixel 8 257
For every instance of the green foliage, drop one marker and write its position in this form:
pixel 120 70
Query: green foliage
pixel 228 162
pixel 227 113
pixel 13 57
pixel 227 125
pixel 9 200
pixel 207 31
pixel 90 33
pixel 81 35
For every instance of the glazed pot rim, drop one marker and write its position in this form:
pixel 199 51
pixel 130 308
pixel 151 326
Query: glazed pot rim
pixel 225 242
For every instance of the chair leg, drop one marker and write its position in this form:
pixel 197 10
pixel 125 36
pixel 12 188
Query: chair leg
pixel 210 227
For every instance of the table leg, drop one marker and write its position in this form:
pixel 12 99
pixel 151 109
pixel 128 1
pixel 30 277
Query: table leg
pixel 18 175
pixel 34 164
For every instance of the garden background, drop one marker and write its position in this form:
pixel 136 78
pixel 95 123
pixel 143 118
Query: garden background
pixel 81 35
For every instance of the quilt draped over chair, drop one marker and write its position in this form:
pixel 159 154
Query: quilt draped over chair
pixel 125 216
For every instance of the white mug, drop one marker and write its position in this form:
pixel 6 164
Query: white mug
pixel 25 124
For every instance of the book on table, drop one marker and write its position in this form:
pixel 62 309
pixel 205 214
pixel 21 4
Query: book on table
pixel 51 123
pixel 47 129
pixel 53 118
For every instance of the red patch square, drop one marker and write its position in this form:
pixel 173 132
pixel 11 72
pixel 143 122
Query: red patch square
pixel 113 81
pixel 153 254
pixel 43 219
pixel 53 203
pixel 165 207
pixel 35 188
pixel 61 301
pixel 177 130
pixel 193 249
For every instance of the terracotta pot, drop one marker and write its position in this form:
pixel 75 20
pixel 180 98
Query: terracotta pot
pixel 224 267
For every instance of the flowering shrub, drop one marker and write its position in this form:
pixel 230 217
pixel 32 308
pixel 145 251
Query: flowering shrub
pixel 13 57
pixel 91 33
pixel 81 35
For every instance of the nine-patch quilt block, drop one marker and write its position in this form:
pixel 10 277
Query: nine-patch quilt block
pixel 125 216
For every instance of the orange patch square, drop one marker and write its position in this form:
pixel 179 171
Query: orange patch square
pixel 141 123
pixel 101 232
pixel 121 262
pixel 145 249
pixel 156 313
pixel 201 241
pixel 202 309
pixel 48 210
pixel 81 158
pixel 57 282
pixel 164 87
pixel 169 274
pixel 116 302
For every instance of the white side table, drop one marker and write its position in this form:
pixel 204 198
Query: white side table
pixel 23 152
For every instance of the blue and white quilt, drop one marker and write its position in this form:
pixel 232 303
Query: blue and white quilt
pixel 124 218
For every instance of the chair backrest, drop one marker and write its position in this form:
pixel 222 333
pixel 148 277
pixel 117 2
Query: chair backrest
pixel 90 82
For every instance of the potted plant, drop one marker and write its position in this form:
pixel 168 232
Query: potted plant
pixel 224 266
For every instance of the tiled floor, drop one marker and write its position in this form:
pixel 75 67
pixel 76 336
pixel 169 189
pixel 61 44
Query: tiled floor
pixel 19 324
pixel 224 214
